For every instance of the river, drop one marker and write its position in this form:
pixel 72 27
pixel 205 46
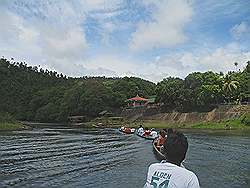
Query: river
pixel 74 157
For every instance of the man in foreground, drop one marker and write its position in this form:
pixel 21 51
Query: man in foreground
pixel 169 174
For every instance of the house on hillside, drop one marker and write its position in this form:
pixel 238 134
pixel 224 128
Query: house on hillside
pixel 138 101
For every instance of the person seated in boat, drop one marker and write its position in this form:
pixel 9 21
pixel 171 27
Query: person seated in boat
pixel 160 141
pixel 169 172
pixel 127 130
pixel 153 133
pixel 140 130
pixel 147 132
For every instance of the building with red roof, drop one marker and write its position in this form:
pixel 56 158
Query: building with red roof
pixel 137 101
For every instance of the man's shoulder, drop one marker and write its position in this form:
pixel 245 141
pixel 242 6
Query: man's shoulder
pixel 155 165
pixel 172 166
pixel 190 173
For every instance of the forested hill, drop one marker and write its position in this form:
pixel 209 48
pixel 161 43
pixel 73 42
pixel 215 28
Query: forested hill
pixel 200 92
pixel 31 93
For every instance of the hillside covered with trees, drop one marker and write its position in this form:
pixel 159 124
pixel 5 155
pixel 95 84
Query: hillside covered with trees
pixel 33 94
pixel 30 93
pixel 204 91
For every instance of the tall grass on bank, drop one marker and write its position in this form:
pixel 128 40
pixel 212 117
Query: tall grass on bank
pixel 8 123
pixel 241 123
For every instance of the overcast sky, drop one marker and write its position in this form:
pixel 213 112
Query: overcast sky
pixel 146 38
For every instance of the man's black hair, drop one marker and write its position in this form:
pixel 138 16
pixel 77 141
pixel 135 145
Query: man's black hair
pixel 170 131
pixel 175 147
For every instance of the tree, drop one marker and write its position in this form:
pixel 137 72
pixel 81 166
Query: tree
pixel 170 92
pixel 205 90
pixel 236 64
pixel 230 87
pixel 31 93
pixel 209 95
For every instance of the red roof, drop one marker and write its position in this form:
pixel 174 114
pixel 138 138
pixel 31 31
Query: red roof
pixel 137 98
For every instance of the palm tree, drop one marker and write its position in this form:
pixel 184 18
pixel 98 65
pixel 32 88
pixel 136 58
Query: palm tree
pixel 229 87
pixel 236 64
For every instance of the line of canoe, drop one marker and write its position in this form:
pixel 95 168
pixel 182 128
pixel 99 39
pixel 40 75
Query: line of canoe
pixel 132 131
pixel 157 153
pixel 159 156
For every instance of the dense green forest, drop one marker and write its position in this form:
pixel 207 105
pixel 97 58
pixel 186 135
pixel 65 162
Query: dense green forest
pixel 204 91
pixel 31 93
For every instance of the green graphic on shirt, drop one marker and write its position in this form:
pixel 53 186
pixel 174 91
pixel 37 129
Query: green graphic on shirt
pixel 155 180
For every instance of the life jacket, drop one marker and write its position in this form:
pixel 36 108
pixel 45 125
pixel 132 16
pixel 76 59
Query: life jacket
pixel 161 140
pixel 127 130
pixel 147 132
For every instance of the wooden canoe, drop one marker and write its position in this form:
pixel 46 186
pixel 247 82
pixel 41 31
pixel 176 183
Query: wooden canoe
pixel 157 153
pixel 127 132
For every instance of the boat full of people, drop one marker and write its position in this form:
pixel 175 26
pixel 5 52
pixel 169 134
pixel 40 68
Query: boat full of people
pixel 127 130
pixel 146 133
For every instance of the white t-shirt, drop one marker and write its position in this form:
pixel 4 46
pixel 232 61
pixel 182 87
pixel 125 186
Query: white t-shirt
pixel 154 134
pixel 168 175
pixel 140 130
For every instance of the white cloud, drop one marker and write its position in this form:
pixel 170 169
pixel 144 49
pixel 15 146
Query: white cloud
pixel 69 43
pixel 90 5
pixel 240 30
pixel 174 64
pixel 56 40
pixel 51 33
pixel 166 27
pixel 56 43
pixel 181 64
pixel 115 63
pixel 16 37
pixel 221 59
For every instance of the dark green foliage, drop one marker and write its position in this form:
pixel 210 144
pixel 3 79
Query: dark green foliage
pixel 6 118
pixel 29 93
pixel 245 119
pixel 203 91
pixel 132 86
pixel 171 92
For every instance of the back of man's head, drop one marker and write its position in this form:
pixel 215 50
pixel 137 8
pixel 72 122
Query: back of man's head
pixel 175 147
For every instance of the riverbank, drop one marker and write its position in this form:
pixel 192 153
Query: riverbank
pixel 235 124
pixel 241 123
pixel 116 122
pixel 12 126
pixel 223 125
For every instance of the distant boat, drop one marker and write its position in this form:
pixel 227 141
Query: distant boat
pixel 127 130
pixel 146 137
